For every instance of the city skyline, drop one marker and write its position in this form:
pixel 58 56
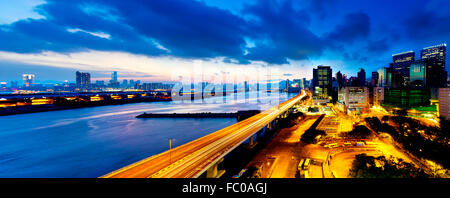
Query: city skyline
pixel 303 23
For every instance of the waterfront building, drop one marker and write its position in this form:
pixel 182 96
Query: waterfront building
pixel 83 80
pixel 28 80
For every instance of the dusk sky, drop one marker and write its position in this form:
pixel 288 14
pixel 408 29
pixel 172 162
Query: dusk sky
pixel 152 40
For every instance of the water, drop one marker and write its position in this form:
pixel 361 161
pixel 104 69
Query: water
pixel 91 142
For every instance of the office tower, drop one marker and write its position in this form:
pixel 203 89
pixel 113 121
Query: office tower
pixel 444 103
pixel 362 77
pixel 100 83
pixel 417 74
pixel 113 77
pixel 14 84
pixel 125 83
pixel 137 84
pixel 322 82
pixel 339 79
pixel 374 81
pixel 28 79
pixel 400 66
pixel 131 83
pixel 434 59
pixel 384 77
pixel 83 80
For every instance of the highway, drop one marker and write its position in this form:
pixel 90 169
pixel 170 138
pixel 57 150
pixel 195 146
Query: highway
pixel 190 160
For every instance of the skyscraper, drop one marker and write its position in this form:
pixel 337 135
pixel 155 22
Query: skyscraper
pixel 83 80
pixel 124 83
pixel 375 77
pixel 362 77
pixel 339 79
pixel 384 77
pixel 28 79
pixel 400 66
pixel 113 77
pixel 322 82
pixel 434 59
pixel 417 74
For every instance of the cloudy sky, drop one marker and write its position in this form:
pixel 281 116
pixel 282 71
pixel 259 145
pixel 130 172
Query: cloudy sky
pixel 162 40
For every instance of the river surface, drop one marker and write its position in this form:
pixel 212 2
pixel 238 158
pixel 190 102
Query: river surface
pixel 90 142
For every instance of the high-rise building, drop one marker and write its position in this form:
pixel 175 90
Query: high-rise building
pixel 434 59
pixel 374 81
pixel 362 77
pixel 83 80
pixel 400 65
pixel 322 82
pixel 124 83
pixel 417 74
pixel 384 77
pixel 444 103
pixel 14 84
pixel 113 77
pixel 339 79
pixel 28 79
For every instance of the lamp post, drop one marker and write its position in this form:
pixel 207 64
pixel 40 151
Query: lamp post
pixel 170 150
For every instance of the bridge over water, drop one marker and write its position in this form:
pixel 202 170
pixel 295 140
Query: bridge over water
pixel 192 159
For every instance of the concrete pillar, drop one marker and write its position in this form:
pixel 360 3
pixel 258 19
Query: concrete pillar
pixel 213 172
pixel 250 141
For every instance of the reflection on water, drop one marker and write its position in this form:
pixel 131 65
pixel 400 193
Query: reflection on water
pixel 90 142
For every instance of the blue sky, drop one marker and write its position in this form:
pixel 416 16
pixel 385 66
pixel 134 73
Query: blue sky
pixel 152 40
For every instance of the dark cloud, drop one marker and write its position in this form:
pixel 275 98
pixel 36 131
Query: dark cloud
pixel 381 45
pixel 280 32
pixel 428 24
pixel 354 26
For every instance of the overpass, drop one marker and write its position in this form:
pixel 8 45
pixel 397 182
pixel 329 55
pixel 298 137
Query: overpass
pixel 204 154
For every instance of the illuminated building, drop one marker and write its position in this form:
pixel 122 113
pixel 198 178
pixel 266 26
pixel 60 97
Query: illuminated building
pixel 384 77
pixel 400 65
pixel 354 98
pixel 28 79
pixel 322 86
pixel 378 95
pixel 444 103
pixel 417 74
pixel 434 59
pixel 83 80
pixel 406 97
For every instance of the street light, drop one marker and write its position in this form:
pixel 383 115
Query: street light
pixel 170 150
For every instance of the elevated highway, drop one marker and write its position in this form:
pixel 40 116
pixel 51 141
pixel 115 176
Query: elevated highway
pixel 192 159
